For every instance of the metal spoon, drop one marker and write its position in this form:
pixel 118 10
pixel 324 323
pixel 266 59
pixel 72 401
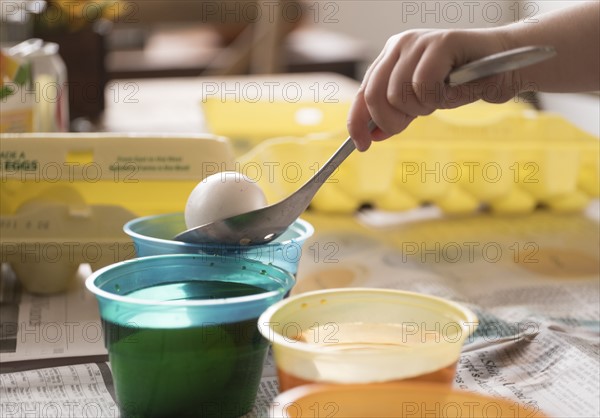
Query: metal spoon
pixel 263 225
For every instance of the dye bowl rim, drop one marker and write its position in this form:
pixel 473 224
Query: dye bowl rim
pixel 147 261
pixel 127 228
pixel 266 318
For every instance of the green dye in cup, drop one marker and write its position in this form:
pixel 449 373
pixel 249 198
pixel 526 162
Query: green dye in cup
pixel 182 334
pixel 212 370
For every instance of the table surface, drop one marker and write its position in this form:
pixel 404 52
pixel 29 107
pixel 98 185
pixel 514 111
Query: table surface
pixel 555 290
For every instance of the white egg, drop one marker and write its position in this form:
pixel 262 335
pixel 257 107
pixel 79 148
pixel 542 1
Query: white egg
pixel 220 196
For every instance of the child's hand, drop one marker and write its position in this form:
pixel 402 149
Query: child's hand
pixel 408 80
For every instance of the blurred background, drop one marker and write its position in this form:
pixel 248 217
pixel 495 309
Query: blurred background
pixel 103 40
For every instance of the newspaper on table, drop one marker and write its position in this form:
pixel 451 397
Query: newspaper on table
pixel 48 327
pixel 533 281
pixel 86 390
pixel 79 390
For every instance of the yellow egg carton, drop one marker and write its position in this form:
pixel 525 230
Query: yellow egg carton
pixel 64 198
pixel 146 174
pixel 251 109
pixel 507 158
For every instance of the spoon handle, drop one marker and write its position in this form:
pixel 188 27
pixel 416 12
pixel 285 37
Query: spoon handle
pixel 333 163
pixel 493 64
pixel 302 197
pixel 499 63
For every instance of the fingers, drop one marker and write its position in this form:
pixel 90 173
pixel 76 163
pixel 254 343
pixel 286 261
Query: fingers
pixel 375 96
pixel 459 48
pixel 358 120
pixel 408 79
pixel 387 95
pixel 430 73
pixel 359 116
pixel 403 93
pixel 372 102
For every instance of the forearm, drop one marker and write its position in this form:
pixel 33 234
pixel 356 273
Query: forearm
pixel 575 33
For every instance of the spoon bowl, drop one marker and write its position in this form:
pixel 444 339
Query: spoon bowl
pixel 263 225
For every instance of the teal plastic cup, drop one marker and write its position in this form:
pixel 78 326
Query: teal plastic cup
pixel 153 235
pixel 181 332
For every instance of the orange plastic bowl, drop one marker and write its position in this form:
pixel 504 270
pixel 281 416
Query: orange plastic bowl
pixel 392 400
